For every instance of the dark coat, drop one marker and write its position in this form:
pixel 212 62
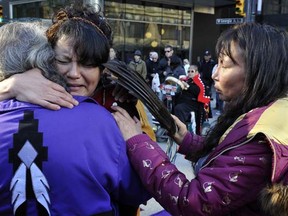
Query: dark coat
pixel 205 69
pixel 152 68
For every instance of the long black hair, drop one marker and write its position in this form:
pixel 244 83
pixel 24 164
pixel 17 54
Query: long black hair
pixel 264 49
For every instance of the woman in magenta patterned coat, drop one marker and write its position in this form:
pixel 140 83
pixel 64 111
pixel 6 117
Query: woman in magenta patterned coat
pixel 241 166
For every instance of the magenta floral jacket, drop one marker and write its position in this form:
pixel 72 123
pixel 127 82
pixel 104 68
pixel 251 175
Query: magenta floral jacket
pixel 235 179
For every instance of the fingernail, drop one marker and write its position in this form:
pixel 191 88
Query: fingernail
pixel 76 102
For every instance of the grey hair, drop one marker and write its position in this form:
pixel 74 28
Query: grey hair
pixel 24 46
pixel 154 54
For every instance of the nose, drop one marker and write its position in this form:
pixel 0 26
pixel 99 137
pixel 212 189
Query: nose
pixel 215 74
pixel 75 71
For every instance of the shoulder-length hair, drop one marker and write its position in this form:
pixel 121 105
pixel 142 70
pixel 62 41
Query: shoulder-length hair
pixel 86 29
pixel 264 50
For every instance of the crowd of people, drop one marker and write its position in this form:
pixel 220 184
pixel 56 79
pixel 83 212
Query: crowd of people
pixel 63 153
pixel 155 71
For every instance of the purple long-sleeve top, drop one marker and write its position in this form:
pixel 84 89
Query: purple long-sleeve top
pixel 74 159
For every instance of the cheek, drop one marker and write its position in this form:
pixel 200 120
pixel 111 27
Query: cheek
pixel 232 86
pixel 61 69
pixel 92 78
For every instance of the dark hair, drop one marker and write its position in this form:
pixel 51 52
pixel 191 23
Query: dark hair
pixel 264 49
pixel 168 46
pixel 175 61
pixel 116 53
pixel 90 34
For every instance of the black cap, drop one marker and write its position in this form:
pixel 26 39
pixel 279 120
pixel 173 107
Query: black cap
pixel 207 53
pixel 138 53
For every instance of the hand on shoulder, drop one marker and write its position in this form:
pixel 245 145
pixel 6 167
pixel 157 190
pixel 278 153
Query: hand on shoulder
pixel 34 88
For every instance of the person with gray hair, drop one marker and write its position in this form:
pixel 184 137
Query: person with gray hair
pixel 52 161
pixel 152 65
pixel 24 46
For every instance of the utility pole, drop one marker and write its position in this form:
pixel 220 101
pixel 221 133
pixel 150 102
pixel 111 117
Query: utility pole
pixel 96 3
pixel 250 10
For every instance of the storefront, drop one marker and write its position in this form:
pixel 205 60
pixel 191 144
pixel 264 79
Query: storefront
pixel 150 25
pixel 142 25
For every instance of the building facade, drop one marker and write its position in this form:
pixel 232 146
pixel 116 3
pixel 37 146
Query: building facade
pixel 189 26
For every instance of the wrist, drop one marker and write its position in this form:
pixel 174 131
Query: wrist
pixel 7 88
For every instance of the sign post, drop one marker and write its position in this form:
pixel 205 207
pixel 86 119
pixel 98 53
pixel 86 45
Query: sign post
pixel 229 21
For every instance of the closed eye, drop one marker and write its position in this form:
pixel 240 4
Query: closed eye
pixel 62 61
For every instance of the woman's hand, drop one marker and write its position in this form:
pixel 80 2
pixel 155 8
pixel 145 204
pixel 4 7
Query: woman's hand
pixel 185 84
pixel 129 127
pixel 33 87
pixel 181 132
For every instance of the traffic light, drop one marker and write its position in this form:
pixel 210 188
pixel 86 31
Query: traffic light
pixel 1 13
pixel 240 7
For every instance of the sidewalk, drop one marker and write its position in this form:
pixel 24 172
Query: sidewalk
pixel 184 166
pixel 152 206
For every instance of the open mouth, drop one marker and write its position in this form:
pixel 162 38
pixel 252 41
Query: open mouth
pixel 217 90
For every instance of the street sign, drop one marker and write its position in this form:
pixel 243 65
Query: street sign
pixel 229 21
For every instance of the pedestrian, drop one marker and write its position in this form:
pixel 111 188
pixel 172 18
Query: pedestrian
pixel 152 65
pixel 219 103
pixel 138 65
pixel 205 68
pixel 164 63
pixel 175 68
pixel 192 99
pixel 52 162
pixel 241 166
pixel 186 65
pixel 113 54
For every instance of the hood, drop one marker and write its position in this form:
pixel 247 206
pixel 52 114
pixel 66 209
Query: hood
pixel 274 200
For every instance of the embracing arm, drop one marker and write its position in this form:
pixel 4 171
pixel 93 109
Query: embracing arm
pixel 32 87
pixel 5 89
pixel 188 142
pixel 229 182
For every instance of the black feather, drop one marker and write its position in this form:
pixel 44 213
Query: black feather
pixel 137 86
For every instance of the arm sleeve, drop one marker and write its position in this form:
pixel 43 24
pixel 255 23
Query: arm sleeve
pixel 190 146
pixel 228 182
pixel 130 191
pixel 144 70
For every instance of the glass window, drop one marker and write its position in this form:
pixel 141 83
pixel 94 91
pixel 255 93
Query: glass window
pixel 148 26
pixel 28 10
pixel 153 14
pixel 152 35
pixel 114 10
pixel 134 12
pixel 273 7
